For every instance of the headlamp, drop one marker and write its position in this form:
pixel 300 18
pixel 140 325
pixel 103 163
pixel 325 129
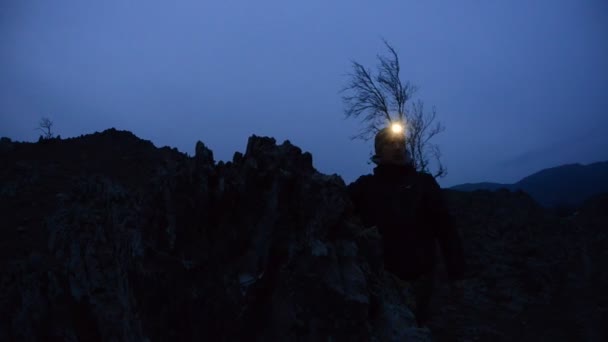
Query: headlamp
pixel 396 128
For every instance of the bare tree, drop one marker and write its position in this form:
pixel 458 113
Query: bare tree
pixel 382 99
pixel 45 126
pixel 422 127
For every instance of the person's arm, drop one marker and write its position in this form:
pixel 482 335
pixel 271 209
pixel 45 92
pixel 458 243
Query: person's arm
pixel 446 234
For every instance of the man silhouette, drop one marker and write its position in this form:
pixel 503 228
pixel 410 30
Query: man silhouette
pixel 408 209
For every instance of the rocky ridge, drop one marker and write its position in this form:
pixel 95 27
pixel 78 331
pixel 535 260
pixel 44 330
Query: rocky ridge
pixel 106 237
pixel 110 238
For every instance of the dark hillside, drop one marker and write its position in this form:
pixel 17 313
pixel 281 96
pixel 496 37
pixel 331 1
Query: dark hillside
pixel 566 186
pixel 106 237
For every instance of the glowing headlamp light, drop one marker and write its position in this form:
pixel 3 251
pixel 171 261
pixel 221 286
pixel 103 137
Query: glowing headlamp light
pixel 397 128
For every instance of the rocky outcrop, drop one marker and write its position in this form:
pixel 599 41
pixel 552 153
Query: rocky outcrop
pixel 108 238
pixel 532 276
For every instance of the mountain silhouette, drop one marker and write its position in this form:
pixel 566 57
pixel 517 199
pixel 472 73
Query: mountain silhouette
pixel 562 186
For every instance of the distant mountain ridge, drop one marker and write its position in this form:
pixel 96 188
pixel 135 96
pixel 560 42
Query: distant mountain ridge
pixel 567 185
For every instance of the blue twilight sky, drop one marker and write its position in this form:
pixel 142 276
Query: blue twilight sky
pixel 519 85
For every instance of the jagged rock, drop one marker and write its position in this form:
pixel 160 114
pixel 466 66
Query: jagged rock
pixel 202 154
pixel 106 237
pixel 526 278
pixel 6 145
pixel 136 243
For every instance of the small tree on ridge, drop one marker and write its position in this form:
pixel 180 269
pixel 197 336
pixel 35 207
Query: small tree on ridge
pixel 380 99
pixel 45 126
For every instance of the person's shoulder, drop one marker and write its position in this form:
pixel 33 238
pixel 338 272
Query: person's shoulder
pixel 427 180
pixel 360 188
pixel 425 176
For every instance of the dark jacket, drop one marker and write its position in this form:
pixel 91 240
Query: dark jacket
pixel 410 213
